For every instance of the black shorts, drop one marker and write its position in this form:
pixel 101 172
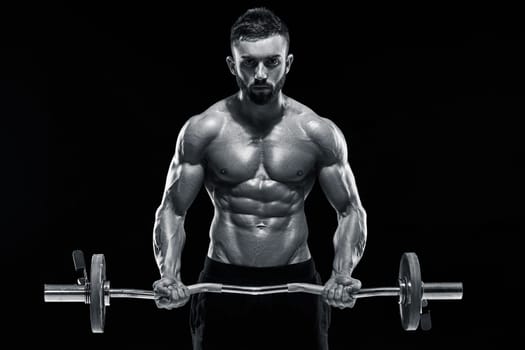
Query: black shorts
pixel 276 321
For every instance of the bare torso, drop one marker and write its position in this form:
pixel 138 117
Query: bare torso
pixel 258 179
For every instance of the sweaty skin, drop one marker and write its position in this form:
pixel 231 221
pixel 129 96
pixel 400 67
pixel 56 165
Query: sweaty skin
pixel 258 173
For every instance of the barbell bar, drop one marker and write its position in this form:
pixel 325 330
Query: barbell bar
pixel 412 293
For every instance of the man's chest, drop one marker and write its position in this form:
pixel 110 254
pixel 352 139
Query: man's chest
pixel 285 154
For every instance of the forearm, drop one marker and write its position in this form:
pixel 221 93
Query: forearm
pixel 349 240
pixel 168 241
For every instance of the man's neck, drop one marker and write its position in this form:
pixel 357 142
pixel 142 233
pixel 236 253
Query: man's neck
pixel 262 115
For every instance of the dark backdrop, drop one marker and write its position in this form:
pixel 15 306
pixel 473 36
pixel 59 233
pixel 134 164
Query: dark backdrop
pixel 429 99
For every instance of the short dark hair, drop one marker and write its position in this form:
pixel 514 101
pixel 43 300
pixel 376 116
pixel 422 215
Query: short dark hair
pixel 258 23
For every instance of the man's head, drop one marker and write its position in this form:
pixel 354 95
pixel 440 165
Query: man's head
pixel 260 60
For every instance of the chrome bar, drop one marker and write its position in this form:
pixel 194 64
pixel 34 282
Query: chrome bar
pixel 264 290
pixel 148 294
pixel 201 288
pixel 443 291
pixel 131 293
pixel 79 293
pixel 377 292
pixel 68 293
pixel 255 289
pixel 362 293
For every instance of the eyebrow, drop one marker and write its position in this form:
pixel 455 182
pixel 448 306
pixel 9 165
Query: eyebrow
pixel 272 56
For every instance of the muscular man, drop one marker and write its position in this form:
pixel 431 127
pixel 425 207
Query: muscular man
pixel 258 153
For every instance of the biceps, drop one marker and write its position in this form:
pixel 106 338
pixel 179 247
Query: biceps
pixel 338 184
pixel 183 183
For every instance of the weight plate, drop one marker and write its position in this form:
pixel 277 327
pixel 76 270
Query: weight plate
pixel 97 304
pixel 411 291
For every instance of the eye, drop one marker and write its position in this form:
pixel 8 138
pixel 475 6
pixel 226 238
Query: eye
pixel 249 62
pixel 272 62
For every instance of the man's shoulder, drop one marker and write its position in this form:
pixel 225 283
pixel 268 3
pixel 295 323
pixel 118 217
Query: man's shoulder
pixel 318 128
pixel 208 123
pixel 322 131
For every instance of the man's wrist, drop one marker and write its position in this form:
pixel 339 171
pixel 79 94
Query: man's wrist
pixel 342 269
pixel 170 276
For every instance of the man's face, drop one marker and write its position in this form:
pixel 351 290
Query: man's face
pixel 260 67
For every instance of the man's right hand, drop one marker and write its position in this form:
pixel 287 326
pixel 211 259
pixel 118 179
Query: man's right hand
pixel 170 293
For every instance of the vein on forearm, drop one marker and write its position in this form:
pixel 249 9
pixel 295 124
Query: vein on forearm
pixel 349 239
pixel 169 239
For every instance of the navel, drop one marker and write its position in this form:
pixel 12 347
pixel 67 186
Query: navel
pixel 223 171
pixel 300 173
pixel 260 225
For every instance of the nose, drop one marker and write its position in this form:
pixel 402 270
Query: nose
pixel 260 72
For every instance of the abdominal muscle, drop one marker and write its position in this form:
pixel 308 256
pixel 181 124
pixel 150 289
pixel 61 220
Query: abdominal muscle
pixel 258 232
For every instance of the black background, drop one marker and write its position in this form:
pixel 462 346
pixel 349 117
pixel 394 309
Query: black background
pixel 429 99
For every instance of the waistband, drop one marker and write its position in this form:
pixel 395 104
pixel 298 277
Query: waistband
pixel 219 272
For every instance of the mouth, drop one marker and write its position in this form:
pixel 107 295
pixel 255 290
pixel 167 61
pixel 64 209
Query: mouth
pixel 261 87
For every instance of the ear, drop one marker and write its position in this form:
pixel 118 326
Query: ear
pixel 289 60
pixel 231 65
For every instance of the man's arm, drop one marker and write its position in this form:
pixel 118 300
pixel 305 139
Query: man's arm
pixel 184 180
pixel 338 184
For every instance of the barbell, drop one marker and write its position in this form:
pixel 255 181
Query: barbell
pixel 412 293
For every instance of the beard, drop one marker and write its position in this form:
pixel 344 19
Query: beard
pixel 262 96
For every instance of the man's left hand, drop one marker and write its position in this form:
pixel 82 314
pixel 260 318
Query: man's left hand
pixel 339 289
